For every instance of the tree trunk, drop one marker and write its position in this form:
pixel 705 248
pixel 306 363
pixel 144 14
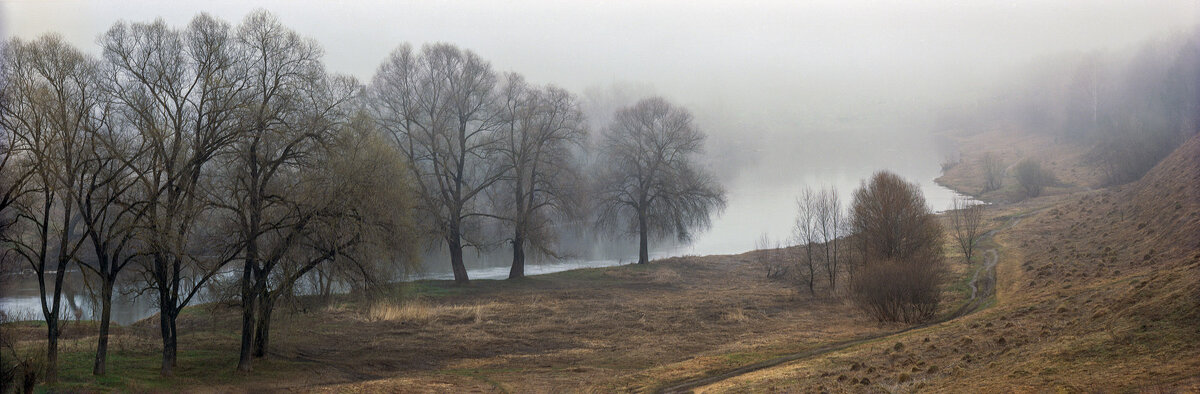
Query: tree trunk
pixel 106 289
pixel 168 339
pixel 249 298
pixel 263 332
pixel 456 259
pixel 644 242
pixel 833 276
pixel 52 350
pixel 811 270
pixel 518 263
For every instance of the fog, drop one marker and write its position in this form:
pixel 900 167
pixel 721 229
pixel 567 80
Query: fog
pixel 817 93
pixel 768 67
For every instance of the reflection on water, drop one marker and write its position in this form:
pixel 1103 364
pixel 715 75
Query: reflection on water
pixel 761 200
pixel 21 300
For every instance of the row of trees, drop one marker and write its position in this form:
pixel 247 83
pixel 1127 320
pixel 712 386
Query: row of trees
pixel 482 146
pixel 182 151
pixel 188 156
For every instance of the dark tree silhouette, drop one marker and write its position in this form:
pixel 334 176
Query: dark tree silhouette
pixel 649 182
pixel 438 106
pixel 539 127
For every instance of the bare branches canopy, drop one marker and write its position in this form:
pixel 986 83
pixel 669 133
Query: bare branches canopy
pixel 190 155
pixel 437 106
pixel 900 242
pixel 649 183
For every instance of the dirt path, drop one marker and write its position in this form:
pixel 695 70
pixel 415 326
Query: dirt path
pixel 986 282
pixel 990 258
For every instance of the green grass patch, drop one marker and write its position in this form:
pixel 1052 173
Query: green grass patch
pixel 139 371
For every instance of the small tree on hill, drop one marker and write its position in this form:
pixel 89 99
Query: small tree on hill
pixel 1033 177
pixel 966 221
pixel 993 171
pixel 807 233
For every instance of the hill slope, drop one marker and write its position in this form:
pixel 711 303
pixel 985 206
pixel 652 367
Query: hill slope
pixel 1097 290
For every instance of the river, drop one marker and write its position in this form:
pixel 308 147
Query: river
pixel 761 200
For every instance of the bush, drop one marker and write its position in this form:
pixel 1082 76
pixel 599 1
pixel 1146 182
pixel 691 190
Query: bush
pixel 14 366
pixel 898 291
pixel 891 221
pixel 771 257
pixel 1033 177
pixel 900 242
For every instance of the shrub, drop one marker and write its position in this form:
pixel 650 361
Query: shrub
pixel 898 291
pixel 900 242
pixel 1033 177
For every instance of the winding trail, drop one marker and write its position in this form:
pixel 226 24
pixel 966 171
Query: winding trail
pixel 989 263
pixel 982 286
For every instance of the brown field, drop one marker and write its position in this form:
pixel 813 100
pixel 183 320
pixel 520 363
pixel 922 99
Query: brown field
pixel 626 328
pixel 1097 291
pixel 1094 290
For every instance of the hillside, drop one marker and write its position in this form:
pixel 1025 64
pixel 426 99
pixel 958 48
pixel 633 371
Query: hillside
pixel 1096 290
pixel 1068 161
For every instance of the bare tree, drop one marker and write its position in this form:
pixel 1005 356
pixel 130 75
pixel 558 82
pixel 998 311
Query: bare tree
pixel 829 225
pixel 648 175
pixel 357 193
pixel 109 213
pixel 539 128
pixel 807 232
pixel 438 106
pixel 13 173
pixel 900 242
pixel 771 257
pixel 49 106
pixel 292 111
pixel 966 222
pixel 891 220
pixel 993 171
pixel 1033 177
pixel 182 92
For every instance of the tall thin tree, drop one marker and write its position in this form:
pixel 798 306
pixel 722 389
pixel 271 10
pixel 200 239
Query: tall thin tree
pixel 49 106
pixel 966 224
pixel 182 92
pixel 539 128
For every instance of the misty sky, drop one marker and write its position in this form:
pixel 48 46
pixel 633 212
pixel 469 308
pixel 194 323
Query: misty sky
pixel 792 93
pixel 794 60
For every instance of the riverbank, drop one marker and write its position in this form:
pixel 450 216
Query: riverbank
pixel 1096 290
pixel 631 327
pixel 1068 162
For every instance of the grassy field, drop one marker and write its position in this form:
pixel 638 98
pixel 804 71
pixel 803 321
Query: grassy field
pixel 625 328
pixel 1094 289
pixel 1097 291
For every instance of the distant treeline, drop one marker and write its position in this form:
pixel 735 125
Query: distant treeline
pixel 1133 106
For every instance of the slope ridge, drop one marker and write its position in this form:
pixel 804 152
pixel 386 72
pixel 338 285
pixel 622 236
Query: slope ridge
pixel 1097 290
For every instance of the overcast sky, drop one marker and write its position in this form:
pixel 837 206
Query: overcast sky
pixel 794 92
pixel 820 54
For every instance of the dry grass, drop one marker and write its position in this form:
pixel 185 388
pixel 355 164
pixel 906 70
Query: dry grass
pixel 627 328
pixel 421 312
pixel 1097 291
pixel 1067 161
